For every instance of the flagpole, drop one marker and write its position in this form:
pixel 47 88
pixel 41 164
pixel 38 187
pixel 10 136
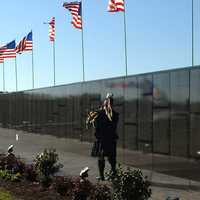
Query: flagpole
pixel 192 33
pixel 16 73
pixel 32 66
pixel 3 77
pixel 54 63
pixel 54 56
pixel 83 59
pixel 125 41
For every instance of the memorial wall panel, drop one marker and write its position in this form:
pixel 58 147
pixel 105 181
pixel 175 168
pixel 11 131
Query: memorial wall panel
pixel 195 90
pixel 179 87
pixel 179 135
pixel 158 111
pixel 195 135
pixel 180 129
pixel 131 113
pixel 145 111
pixel 161 130
pixel 161 112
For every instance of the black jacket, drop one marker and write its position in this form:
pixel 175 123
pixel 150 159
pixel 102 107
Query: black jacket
pixel 106 130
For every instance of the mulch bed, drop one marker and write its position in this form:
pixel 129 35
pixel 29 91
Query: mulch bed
pixel 30 191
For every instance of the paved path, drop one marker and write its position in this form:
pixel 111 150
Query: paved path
pixel 73 154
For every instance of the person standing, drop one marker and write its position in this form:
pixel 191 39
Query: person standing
pixel 106 135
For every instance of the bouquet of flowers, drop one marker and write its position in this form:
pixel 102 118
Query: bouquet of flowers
pixel 91 117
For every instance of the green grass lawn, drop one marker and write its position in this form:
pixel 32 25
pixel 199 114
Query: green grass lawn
pixel 5 195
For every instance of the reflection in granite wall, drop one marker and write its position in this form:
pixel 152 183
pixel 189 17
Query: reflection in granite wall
pixel 159 112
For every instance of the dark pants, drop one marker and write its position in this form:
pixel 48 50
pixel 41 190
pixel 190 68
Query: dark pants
pixel 108 150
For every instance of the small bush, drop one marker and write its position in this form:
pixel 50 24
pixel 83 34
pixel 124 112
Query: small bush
pixel 30 172
pixel 47 165
pixel 8 176
pixel 12 163
pixel 63 185
pixel 81 189
pixel 101 192
pixel 20 166
pixel 2 161
pixel 130 185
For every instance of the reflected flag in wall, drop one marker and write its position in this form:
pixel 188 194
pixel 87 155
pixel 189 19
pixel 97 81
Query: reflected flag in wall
pixel 116 5
pixel 75 9
pixel 26 44
pixel 52 29
pixel 8 50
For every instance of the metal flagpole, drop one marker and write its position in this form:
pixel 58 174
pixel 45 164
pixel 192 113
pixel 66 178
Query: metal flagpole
pixel 3 77
pixel 125 42
pixel 32 66
pixel 192 32
pixel 83 56
pixel 189 124
pixel 54 59
pixel 82 41
pixel 54 63
pixel 16 73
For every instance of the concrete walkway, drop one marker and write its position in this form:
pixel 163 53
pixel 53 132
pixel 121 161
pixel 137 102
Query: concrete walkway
pixel 74 155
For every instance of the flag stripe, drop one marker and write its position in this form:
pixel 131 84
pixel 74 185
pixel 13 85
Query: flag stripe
pixel 26 44
pixel 8 51
pixel 75 10
pixel 116 5
pixel 1 60
pixel 52 30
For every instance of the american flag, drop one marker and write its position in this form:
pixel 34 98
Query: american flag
pixel 116 5
pixel 1 60
pixel 75 8
pixel 26 44
pixel 52 29
pixel 8 51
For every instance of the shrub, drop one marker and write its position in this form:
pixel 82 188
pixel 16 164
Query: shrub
pixel 81 189
pixel 30 172
pixel 8 176
pixel 47 165
pixel 101 192
pixel 63 185
pixel 130 185
pixel 10 162
pixel 20 166
pixel 2 161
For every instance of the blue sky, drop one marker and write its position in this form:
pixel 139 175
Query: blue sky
pixel 158 38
